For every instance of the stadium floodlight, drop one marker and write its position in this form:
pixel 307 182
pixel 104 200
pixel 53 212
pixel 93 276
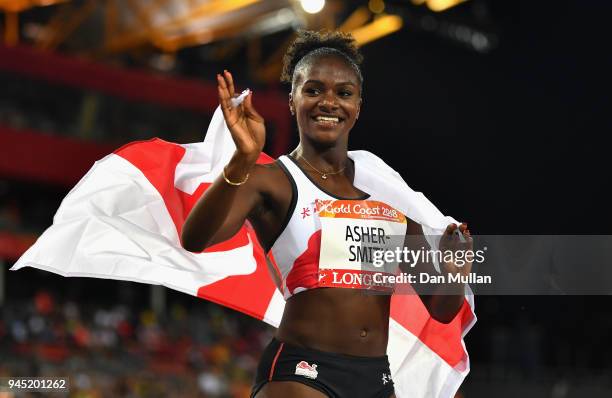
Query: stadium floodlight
pixel 312 6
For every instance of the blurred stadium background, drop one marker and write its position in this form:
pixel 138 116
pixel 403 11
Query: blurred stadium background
pixel 494 109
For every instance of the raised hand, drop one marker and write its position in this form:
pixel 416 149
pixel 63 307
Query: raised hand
pixel 245 124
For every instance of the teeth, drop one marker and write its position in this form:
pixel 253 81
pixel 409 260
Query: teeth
pixel 327 119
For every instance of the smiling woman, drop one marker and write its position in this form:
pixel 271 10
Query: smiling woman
pixel 332 340
pixel 326 82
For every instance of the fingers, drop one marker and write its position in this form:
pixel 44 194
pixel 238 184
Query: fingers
pixel 454 234
pixel 457 238
pixel 225 88
pixel 224 97
pixel 250 110
pixel 230 82
pixel 450 229
pixel 463 228
pixel 465 238
pixel 469 241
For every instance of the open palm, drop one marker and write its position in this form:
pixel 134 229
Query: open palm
pixel 244 123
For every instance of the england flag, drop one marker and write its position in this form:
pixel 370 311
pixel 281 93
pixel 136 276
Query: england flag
pixel 123 221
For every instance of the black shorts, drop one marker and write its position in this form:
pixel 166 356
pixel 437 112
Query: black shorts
pixel 337 375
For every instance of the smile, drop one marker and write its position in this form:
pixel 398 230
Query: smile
pixel 327 120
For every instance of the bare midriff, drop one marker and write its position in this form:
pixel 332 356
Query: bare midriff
pixel 344 321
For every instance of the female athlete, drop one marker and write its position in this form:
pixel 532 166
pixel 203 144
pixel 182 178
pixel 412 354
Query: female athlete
pixel 331 341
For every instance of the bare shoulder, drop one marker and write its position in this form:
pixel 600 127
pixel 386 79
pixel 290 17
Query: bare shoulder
pixel 266 171
pixel 270 177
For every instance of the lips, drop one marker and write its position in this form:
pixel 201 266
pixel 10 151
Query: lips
pixel 327 121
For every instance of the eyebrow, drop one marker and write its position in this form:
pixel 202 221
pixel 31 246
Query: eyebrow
pixel 338 84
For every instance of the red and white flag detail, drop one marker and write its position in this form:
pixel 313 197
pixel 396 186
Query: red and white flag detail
pixel 123 221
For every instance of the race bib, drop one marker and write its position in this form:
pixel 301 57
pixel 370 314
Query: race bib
pixel 352 231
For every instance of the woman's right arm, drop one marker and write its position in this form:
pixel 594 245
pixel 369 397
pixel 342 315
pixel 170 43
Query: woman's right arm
pixel 223 208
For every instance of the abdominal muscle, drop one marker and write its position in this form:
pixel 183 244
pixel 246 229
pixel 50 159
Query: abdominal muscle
pixel 339 320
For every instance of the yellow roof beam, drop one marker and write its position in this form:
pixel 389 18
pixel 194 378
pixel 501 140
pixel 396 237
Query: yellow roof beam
pixel 380 27
pixel 209 9
pixel 441 5
pixel 200 36
pixel 143 14
pixel 358 18
pixel 22 5
pixel 438 5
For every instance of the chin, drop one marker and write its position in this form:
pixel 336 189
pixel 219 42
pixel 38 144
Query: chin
pixel 325 138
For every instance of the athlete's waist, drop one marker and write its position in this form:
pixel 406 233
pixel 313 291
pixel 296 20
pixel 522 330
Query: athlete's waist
pixel 350 344
pixel 289 346
pixel 337 320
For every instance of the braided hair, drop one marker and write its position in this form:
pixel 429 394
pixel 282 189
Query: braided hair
pixel 309 45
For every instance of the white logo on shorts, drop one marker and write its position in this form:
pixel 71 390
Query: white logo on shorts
pixel 306 370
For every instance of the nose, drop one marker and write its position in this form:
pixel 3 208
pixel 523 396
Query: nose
pixel 328 103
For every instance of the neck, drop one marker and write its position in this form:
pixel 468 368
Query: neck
pixel 325 158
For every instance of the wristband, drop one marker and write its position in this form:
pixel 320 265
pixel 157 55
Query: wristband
pixel 234 183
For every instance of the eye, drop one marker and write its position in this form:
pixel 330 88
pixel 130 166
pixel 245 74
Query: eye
pixel 345 93
pixel 312 91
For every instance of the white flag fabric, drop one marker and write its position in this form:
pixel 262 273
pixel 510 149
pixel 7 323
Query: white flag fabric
pixel 123 221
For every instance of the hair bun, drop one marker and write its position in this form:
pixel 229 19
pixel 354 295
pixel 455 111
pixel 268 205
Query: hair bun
pixel 309 40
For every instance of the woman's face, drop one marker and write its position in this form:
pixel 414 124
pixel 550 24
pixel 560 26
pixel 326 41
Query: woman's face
pixel 326 99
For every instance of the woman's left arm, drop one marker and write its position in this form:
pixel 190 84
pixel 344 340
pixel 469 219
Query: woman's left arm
pixel 442 297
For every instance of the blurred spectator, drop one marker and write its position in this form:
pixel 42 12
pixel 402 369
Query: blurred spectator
pixel 131 352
